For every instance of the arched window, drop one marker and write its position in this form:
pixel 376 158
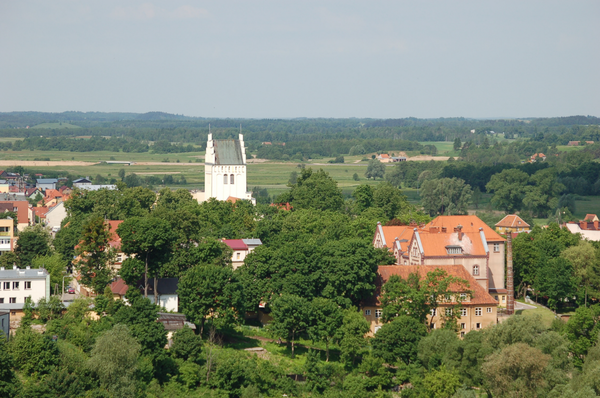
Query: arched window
pixel 231 179
pixel 224 178
pixel 476 270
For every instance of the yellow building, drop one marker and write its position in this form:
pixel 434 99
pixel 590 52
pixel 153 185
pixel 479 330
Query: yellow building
pixel 477 311
pixel 511 224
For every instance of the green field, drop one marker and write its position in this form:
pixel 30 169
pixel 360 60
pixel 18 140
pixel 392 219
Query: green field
pixel 60 125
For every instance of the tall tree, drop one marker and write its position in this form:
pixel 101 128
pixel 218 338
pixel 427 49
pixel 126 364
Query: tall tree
pixel 586 261
pixel 398 340
pixel 375 169
pixel 445 196
pixel 95 254
pixel 509 188
pixel 210 291
pixel 149 239
pixel 33 241
pixel 291 316
pixel 327 318
pixel 314 190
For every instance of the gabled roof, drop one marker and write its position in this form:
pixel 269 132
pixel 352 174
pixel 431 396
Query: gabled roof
pixel 47 180
pixel 404 233
pixel 115 239
pixel 228 152
pixel 52 193
pixel 435 244
pixel 82 181
pixel 165 286
pixel 384 272
pixel 236 244
pixel 252 242
pixel 590 217
pixel 512 220
pixel 119 287
pixel 469 224
pixel 22 209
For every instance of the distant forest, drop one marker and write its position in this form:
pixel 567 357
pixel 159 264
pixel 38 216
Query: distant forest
pixel 303 137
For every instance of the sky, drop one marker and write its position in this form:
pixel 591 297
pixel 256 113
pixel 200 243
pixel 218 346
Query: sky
pixel 302 58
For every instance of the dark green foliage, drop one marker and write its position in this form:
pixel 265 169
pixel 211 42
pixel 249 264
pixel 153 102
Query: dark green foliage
pixel 445 196
pixel 375 169
pixel 95 254
pixel 582 331
pixel 398 340
pixel 291 316
pixel 314 190
pixel 9 384
pixel 33 353
pixel 187 345
pixel 33 241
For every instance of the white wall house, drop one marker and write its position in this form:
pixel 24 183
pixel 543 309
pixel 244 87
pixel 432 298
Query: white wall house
pixel 225 170
pixel 16 285
pixel 167 293
pixel 55 216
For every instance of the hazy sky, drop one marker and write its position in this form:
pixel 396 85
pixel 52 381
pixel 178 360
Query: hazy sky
pixel 267 59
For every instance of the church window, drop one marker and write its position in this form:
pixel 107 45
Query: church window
pixel 224 178
pixel 231 179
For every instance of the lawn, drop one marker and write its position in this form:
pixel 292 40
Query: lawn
pixel 546 315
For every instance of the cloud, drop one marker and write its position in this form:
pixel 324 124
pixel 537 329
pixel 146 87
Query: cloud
pixel 189 12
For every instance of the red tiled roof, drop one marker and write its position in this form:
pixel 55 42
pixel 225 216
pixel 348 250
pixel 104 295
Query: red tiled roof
pixel 590 217
pixel 40 211
pixel 512 220
pixel 235 244
pixel 22 210
pixel 119 287
pixel 479 296
pixel 434 243
pixel 52 193
pixel 469 224
pixel 232 199
pixel 390 233
pixel 115 239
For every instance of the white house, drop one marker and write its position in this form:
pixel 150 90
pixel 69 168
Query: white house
pixel 167 293
pixel 80 182
pixel 46 183
pixel 225 170
pixel 17 285
pixel 55 216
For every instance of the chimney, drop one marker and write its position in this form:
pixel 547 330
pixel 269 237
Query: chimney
pixel 596 225
pixel 433 230
pixel 444 230
pixel 14 266
pixel 510 303
pixel 458 230
pixel 583 224
pixel 28 267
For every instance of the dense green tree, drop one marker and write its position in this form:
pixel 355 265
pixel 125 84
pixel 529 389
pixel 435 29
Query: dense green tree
pixel 375 169
pixel 586 261
pixel 390 199
pixel 9 383
pixel 509 188
pixel 114 360
pixel 291 316
pixel 516 371
pixel 582 331
pixel 398 340
pixel 445 196
pixel 441 347
pixel 56 267
pixel 352 341
pixel 556 280
pixel 363 198
pixel 33 352
pixel 210 291
pixel 314 190
pixel 187 345
pixel 543 196
pixel 95 255
pixel 33 241
pixel 326 320
pixel 457 144
pixel 149 239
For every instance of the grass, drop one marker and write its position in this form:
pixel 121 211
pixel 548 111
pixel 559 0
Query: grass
pixel 546 315
pixel 59 125
pixel 586 205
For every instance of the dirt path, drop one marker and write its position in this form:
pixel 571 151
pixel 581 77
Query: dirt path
pixel 51 163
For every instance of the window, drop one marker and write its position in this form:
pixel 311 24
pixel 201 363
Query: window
pixel 12 300
pixel 368 312
pixel 478 311
pixel 433 312
pixel 489 310
pixel 231 179
pixel 238 255
pixel 1 300
pixel 503 299
pixel 496 247
pixel 433 325
pixel 15 285
pixel 496 298
pixel 476 270
pixel 463 296
pixel 462 334
pixel 6 285
pixel 463 312
pixel 478 326
pixel 378 313
pixel 448 311
pixel 224 178
pixel 453 249
pixel 463 325
pixel 119 258
pixel 27 285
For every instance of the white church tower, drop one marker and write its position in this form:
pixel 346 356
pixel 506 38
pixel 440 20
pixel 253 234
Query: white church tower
pixel 225 170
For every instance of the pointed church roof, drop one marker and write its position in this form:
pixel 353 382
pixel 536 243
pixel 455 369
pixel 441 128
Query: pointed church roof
pixel 228 152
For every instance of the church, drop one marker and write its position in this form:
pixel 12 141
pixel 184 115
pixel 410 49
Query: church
pixel 225 171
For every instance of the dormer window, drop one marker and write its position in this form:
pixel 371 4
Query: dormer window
pixel 453 249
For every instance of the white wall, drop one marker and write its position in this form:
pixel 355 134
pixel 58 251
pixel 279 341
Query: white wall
pixel 37 291
pixel 167 301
